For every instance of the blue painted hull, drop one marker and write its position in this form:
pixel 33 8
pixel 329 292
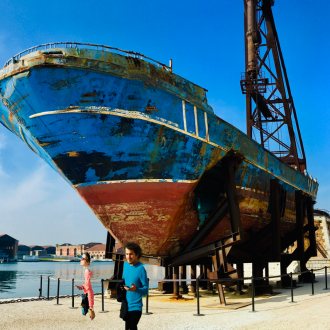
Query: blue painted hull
pixel 113 125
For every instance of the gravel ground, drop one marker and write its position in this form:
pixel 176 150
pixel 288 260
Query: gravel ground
pixel 271 312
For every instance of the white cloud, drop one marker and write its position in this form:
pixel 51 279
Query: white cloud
pixel 44 209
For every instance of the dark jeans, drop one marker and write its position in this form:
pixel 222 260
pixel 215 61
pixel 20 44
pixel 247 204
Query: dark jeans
pixel 132 320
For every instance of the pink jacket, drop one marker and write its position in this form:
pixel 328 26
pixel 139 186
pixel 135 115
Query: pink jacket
pixel 87 287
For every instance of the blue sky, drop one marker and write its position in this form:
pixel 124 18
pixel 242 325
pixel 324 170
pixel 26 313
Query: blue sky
pixel 205 41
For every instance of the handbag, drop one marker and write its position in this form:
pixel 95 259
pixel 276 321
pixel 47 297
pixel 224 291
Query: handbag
pixel 121 297
pixel 84 304
pixel 123 310
pixel 121 292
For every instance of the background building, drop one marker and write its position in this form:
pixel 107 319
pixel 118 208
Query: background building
pixel 322 223
pixel 50 249
pixel 69 250
pixel 97 252
pixel 8 248
pixel 37 250
pixel 322 233
pixel 23 250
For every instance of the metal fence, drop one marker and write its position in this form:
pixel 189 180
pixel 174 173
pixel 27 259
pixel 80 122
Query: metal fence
pixel 198 281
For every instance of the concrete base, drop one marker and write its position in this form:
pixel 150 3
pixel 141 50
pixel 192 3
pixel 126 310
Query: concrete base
pixel 229 305
pixel 261 289
pixel 183 289
pixel 308 277
pixel 285 282
pixel 166 287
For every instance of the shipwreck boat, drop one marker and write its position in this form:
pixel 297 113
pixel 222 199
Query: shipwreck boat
pixel 141 145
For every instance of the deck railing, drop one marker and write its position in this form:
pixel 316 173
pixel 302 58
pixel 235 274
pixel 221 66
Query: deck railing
pixel 80 45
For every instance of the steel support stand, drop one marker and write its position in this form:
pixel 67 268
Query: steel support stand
pixel 147 301
pixel 216 265
pixel 109 247
pixel 253 294
pixel 291 281
pixel 176 293
pixel 72 294
pixel 202 276
pixel 183 284
pixel 300 207
pixel 102 296
pixel 234 211
pixel 40 289
pixel 48 285
pixel 119 264
pixel 165 286
pixel 260 285
pixel 102 288
pixel 58 291
pixel 198 304
pixel 311 227
pixel 240 274
pixel 326 277
pixel 300 222
pixel 193 277
pixel 275 209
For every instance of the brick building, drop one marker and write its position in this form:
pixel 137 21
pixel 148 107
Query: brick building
pixel 69 250
pixel 97 252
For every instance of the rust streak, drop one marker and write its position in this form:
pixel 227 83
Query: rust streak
pixel 73 154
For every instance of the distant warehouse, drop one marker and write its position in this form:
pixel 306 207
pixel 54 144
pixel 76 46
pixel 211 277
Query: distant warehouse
pixel 96 250
pixel 8 248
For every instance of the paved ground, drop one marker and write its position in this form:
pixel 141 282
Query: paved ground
pixel 272 312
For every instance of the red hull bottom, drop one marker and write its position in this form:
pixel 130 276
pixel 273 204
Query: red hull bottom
pixel 161 216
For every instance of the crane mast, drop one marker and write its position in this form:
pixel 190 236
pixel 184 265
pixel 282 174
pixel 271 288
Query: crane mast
pixel 271 117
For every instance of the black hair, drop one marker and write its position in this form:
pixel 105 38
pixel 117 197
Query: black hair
pixel 88 257
pixel 134 247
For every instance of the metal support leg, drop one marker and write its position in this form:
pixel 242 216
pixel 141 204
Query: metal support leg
pixel 193 277
pixel 230 168
pixel 216 264
pixel 275 211
pixel 176 293
pixel 311 228
pixel 183 275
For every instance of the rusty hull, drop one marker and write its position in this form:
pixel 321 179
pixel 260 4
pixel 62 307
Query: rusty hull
pixel 135 140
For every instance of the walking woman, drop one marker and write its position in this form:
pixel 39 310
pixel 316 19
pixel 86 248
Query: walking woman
pixel 136 284
pixel 87 286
